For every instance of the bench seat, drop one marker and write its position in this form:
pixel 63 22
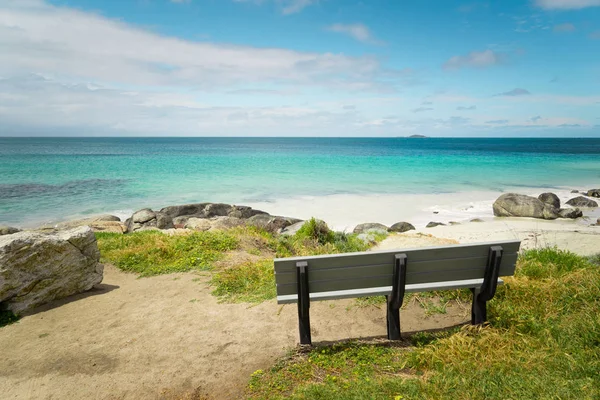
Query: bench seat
pixel 385 290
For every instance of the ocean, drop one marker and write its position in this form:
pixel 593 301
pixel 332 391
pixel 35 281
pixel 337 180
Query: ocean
pixel 47 180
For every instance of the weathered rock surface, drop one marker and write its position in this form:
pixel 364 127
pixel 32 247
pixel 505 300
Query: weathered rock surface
pixel 581 201
pixel 476 220
pixel 401 227
pixel 146 219
pixel 99 223
pixel 570 213
pixel 198 224
pixel 593 193
pixel 222 223
pixel 38 267
pixel 518 205
pixel 292 229
pixel 433 224
pixel 271 223
pixel 550 198
pixel 363 228
pixel 8 230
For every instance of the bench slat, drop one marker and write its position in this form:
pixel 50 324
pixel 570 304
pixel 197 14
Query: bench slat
pixel 384 290
pixel 416 271
pixel 384 257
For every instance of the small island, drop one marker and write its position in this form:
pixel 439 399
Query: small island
pixel 417 136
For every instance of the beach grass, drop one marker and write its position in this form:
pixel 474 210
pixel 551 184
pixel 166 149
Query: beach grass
pixel 150 253
pixel 542 341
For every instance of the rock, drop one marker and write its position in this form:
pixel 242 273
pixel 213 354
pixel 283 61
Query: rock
pixel 570 213
pixel 434 224
pixel 574 191
pixel 292 229
pixel 38 267
pixel 164 221
pixel 98 223
pixel 363 228
pixel 401 227
pixel 581 201
pixel 185 210
pixel 143 216
pixel 223 223
pixel 593 193
pixel 477 220
pixel 550 198
pixel 271 223
pixel 198 224
pixel 454 223
pixel 8 230
pixel 518 205
pixel 245 212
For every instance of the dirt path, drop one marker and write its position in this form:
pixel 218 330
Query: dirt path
pixel 168 337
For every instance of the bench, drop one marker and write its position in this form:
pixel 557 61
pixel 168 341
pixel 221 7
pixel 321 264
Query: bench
pixel 475 266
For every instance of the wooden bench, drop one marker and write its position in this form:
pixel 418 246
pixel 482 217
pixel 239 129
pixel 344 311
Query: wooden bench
pixel 393 273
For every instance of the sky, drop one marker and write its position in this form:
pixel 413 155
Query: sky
pixel 371 68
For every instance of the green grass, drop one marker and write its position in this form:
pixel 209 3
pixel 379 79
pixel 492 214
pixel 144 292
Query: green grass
pixel 152 252
pixel 542 341
pixel 250 282
pixel 7 317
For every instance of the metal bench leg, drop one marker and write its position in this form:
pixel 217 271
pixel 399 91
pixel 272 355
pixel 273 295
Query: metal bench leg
pixel 394 301
pixel 303 303
pixel 488 288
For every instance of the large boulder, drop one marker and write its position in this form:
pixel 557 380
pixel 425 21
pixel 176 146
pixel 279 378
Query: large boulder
pixel 370 226
pixel 292 229
pixel 8 230
pixel 209 210
pixel 593 193
pixel 570 213
pixel 223 223
pixel 550 198
pixel 518 205
pixel 401 227
pixel 38 267
pixel 581 201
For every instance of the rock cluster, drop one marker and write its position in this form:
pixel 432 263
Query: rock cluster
pixel 8 230
pixel 37 267
pixel 546 206
pixel 205 216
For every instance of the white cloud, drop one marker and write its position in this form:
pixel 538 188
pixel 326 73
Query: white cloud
pixel 359 32
pixel 566 4
pixel 475 59
pixel 35 38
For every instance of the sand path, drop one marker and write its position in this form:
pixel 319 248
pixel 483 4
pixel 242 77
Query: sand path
pixel 167 337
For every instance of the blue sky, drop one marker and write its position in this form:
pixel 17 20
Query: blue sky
pixel 299 68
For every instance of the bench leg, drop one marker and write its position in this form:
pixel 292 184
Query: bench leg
pixel 478 309
pixel 303 303
pixel 393 320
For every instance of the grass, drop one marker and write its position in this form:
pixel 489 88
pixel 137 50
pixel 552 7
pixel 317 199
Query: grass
pixel 542 341
pixel 150 253
pixel 7 317
pixel 250 282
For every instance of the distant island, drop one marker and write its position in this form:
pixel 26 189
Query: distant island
pixel 417 136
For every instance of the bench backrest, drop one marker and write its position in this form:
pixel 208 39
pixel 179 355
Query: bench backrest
pixel 362 270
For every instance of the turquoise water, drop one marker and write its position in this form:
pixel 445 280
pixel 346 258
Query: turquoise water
pixel 50 179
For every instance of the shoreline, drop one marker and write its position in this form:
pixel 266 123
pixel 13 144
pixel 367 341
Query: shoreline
pixel 342 212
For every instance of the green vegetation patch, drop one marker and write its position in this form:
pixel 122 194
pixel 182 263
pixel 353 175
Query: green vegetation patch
pixel 249 282
pixel 7 317
pixel 542 341
pixel 152 252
